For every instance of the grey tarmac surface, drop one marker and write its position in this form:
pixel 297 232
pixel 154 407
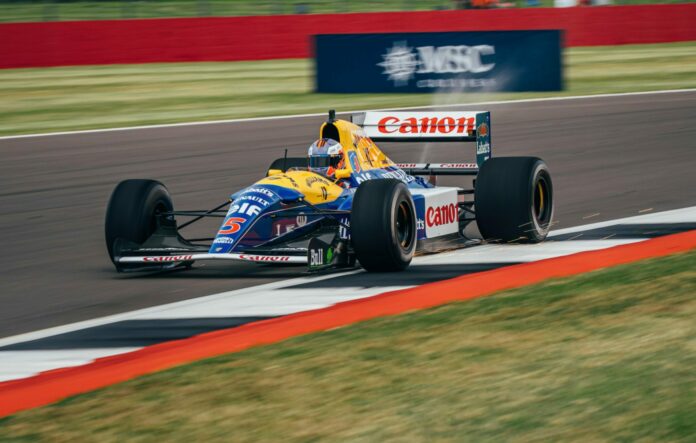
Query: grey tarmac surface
pixel 610 157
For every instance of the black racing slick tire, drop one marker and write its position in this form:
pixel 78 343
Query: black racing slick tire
pixel 514 199
pixel 132 212
pixel 383 225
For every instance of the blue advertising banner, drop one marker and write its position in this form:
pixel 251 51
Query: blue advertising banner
pixel 439 61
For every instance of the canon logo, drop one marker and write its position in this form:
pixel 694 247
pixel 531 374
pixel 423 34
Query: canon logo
pixel 455 165
pixel 171 258
pixel 426 125
pixel 441 215
pixel 268 258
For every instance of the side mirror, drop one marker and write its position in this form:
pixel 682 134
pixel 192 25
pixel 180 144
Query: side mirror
pixel 273 172
pixel 342 173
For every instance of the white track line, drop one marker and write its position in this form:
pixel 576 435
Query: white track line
pixel 517 253
pixel 320 114
pixel 21 364
pixel 250 303
pixel 674 216
pixel 43 333
pixel 284 297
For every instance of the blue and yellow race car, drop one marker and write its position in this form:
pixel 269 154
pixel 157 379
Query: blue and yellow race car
pixel 345 202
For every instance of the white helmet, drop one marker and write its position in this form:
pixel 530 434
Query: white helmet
pixel 325 156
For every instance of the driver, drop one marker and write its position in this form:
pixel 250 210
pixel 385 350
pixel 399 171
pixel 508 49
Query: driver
pixel 325 156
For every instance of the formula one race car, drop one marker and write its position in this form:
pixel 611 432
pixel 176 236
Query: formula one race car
pixel 368 208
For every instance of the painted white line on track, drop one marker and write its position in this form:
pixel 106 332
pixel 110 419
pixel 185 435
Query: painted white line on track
pixel 288 296
pixel 673 216
pixel 517 253
pixel 320 114
pixel 264 303
pixel 477 254
pixel 43 333
pixel 21 364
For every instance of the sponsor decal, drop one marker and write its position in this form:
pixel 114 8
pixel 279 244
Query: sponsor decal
pixel 170 258
pixel 264 258
pixel 319 254
pixel 441 215
pixel 401 63
pixel 284 177
pixel 293 182
pixel 314 179
pixel 268 193
pixel 232 225
pixel 254 198
pixel 420 224
pixel 316 257
pixel 324 192
pixel 283 227
pixel 426 125
pixel 354 161
pixel 482 130
pixel 244 208
pixel 483 145
pixel 483 148
pixel 301 220
pixel 344 228
pixel 163 249
pixel 224 240
pixel 381 173
pixel 457 83
pixel 455 165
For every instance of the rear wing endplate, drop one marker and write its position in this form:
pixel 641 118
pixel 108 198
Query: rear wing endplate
pixel 405 126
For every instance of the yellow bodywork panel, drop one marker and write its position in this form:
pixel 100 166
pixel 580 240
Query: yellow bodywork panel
pixel 316 189
pixel 353 139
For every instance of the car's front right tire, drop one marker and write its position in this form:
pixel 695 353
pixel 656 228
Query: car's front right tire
pixel 132 212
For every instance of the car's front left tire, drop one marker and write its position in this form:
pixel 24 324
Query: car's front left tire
pixel 383 225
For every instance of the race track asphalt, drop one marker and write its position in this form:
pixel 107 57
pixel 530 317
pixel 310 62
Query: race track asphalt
pixel 610 157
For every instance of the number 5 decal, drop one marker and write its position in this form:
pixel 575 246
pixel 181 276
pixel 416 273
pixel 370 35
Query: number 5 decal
pixel 232 225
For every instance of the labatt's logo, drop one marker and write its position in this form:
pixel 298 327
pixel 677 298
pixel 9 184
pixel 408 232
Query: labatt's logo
pixel 426 125
pixel 441 215
pixel 482 144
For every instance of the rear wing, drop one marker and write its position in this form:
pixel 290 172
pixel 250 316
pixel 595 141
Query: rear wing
pixel 455 126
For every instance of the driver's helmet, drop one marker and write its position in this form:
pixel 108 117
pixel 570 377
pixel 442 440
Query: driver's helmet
pixel 325 156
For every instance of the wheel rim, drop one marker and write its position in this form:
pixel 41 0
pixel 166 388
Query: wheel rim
pixel 160 207
pixel 404 225
pixel 542 204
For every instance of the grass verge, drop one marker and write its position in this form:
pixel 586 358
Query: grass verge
pixel 51 10
pixel 608 355
pixel 72 98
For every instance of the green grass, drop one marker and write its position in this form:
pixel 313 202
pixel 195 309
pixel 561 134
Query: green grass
pixel 606 356
pixel 93 10
pixel 32 10
pixel 70 98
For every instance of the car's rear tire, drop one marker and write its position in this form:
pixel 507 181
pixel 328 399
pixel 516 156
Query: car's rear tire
pixel 383 225
pixel 131 214
pixel 514 199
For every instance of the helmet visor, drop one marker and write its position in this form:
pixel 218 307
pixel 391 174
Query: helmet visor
pixel 324 161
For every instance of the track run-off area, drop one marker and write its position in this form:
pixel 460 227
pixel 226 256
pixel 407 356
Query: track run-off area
pixel 622 168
